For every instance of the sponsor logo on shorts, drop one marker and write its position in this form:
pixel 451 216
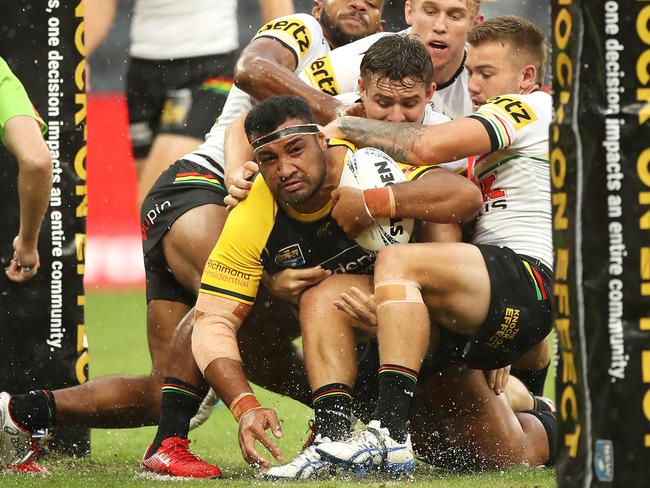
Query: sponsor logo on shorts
pixel 225 274
pixel 322 75
pixel 518 111
pixel 176 107
pixel 150 217
pixel 296 28
pixel 508 329
pixel 604 460
pixel 141 133
pixel 290 257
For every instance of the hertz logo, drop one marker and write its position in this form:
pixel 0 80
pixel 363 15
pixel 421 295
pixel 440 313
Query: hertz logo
pixel 292 27
pixel 321 75
pixel 520 113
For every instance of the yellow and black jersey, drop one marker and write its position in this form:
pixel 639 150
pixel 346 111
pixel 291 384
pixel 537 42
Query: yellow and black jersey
pixel 260 235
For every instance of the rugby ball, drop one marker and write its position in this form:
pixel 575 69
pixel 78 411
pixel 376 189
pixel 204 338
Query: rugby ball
pixel 372 168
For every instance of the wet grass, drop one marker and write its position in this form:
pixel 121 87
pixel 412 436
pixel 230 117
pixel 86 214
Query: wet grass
pixel 117 339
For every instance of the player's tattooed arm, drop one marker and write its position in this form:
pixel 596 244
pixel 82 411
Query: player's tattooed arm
pixel 399 140
pixel 416 144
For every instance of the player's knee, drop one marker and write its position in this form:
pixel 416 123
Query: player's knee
pixel 317 296
pixel 390 259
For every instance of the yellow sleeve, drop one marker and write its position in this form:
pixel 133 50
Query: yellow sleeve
pixel 234 268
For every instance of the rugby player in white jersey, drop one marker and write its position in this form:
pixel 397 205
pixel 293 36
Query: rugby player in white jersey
pixel 494 291
pixel 182 218
pixel 442 25
pixel 330 346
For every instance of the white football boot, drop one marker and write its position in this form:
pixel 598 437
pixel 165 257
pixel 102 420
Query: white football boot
pixel 370 449
pixel 15 443
pixel 307 465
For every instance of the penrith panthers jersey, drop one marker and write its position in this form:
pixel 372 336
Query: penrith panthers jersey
pixel 515 176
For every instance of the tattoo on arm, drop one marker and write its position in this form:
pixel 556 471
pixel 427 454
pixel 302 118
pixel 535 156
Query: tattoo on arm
pixel 399 140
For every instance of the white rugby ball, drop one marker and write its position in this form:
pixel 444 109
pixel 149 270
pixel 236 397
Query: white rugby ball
pixel 372 168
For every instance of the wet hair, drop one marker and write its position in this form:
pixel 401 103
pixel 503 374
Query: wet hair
pixel 524 38
pixel 397 58
pixel 267 116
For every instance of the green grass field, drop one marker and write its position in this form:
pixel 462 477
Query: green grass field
pixel 117 343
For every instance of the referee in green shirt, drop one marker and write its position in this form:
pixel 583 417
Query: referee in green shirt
pixel 21 131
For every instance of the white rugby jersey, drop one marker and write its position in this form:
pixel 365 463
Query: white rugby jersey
pixel 515 176
pixel 338 72
pixel 173 29
pixel 303 35
pixel 452 98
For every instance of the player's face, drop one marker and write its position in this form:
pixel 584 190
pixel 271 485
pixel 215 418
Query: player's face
pixel 442 25
pixel 344 21
pixel 393 101
pixel 493 70
pixel 294 167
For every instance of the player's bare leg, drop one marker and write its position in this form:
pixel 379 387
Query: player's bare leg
pixel 328 335
pixel 451 276
pixel 125 401
pixel 329 345
pixel 458 422
pixel 165 149
pixel 410 282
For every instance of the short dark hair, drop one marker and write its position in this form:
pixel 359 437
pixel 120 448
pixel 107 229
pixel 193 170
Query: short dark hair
pixel 267 116
pixel 523 37
pixel 397 57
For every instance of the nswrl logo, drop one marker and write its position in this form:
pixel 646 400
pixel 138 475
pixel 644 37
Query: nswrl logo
pixel 604 460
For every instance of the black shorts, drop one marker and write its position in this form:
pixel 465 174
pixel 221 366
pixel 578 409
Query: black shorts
pixel 520 309
pixel 182 187
pixel 180 96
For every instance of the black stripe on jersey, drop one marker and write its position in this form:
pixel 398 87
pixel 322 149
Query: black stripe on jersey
pixel 451 80
pixel 211 161
pixel 494 138
pixel 222 291
pixel 285 45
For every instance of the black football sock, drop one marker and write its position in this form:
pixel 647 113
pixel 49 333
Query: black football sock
pixel 333 409
pixel 396 390
pixel 180 402
pixel 34 410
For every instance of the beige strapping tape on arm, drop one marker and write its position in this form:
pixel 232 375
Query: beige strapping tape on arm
pixel 214 336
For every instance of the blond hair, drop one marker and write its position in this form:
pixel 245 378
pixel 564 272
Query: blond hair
pixel 524 38
pixel 473 6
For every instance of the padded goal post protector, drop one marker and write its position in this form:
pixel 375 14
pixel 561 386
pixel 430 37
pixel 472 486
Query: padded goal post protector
pixel 600 176
pixel 42 327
